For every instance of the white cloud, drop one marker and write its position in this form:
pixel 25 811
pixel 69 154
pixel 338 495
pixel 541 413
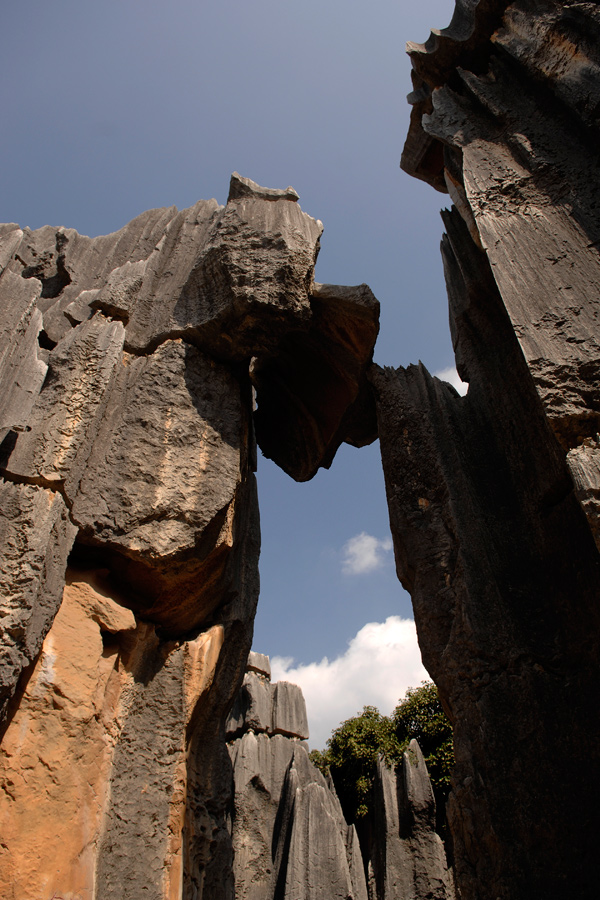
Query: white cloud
pixel 364 553
pixel 450 374
pixel 381 662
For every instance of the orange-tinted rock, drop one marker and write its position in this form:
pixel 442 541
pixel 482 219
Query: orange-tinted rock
pixel 56 755
pixel 127 446
pixel 71 726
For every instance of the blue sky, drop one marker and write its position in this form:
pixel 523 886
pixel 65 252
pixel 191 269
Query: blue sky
pixel 112 108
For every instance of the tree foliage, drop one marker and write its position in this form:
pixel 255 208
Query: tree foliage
pixel 351 754
pixel 420 715
pixel 353 747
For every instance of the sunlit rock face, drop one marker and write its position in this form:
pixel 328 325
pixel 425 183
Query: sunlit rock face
pixel 406 855
pixel 98 743
pixel 130 365
pixel 493 497
pixel 290 838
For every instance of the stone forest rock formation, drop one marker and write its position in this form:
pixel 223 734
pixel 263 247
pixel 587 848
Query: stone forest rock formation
pixel 129 522
pixel 406 857
pixel 289 835
pixel 290 838
pixel 494 497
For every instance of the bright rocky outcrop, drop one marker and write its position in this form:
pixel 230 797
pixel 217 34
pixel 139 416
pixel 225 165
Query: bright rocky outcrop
pixel 289 835
pixel 129 524
pixel 290 838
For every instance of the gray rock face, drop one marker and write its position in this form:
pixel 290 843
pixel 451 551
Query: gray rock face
pixel 289 711
pixel 289 836
pixel 258 662
pixel 417 814
pixel 273 708
pixel 36 536
pixel 65 419
pixel 493 497
pixel 406 855
pixel 127 448
pixel 316 851
pixel 22 372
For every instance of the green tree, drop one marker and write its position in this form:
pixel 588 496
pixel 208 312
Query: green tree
pixel 420 715
pixel 353 748
pixel 351 754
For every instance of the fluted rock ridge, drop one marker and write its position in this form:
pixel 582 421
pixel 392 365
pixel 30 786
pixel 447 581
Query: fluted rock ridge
pixel 406 855
pixel 493 497
pixel 129 523
pixel 290 838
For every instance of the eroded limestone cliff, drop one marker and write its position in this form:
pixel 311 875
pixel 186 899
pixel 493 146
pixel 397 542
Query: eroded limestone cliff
pixel 129 523
pixel 128 515
pixel 493 497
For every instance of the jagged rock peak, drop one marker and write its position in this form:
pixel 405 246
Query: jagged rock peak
pixel 289 835
pixel 244 187
pixel 264 707
pixel 405 854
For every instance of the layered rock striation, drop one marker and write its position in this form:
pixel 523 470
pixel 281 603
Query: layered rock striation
pixel 129 524
pixel 130 365
pixel 406 856
pixel 290 838
pixel 493 497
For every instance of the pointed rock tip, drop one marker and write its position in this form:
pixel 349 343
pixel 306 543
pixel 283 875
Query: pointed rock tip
pixel 240 187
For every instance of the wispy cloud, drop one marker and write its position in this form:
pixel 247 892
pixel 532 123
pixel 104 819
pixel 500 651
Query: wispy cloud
pixel 450 374
pixel 364 553
pixel 381 662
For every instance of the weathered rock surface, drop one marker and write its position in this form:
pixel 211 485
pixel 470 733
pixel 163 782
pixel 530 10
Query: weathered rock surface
pixel 21 369
pixel 128 365
pixel 127 450
pixel 493 497
pixel 36 536
pixel 290 839
pixel 510 121
pixel 99 740
pixel 407 856
pixel 274 708
pixel 289 836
